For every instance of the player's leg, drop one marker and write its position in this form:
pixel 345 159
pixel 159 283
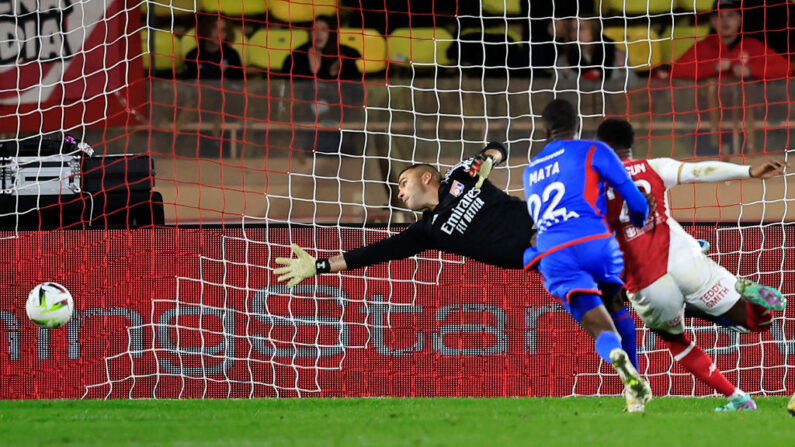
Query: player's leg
pixel 603 260
pixel 661 307
pixel 613 298
pixel 701 365
pixel 591 314
pixel 694 312
pixel 746 317
pixel 742 305
pixel 566 279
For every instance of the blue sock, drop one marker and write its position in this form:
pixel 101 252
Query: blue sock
pixel 605 343
pixel 626 329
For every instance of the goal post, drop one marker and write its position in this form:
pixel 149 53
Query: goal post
pixel 247 159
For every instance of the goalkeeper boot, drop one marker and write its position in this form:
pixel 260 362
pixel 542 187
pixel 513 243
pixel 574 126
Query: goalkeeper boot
pixel 740 403
pixel 764 296
pixel 634 384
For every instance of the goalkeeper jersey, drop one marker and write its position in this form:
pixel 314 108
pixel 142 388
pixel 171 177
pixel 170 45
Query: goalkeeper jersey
pixel 483 224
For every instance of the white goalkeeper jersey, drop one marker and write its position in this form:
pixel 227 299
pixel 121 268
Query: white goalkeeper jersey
pixel 649 251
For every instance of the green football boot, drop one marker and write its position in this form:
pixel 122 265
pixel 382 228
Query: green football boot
pixel 764 296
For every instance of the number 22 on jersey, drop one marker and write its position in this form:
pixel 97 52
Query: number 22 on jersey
pixel 549 201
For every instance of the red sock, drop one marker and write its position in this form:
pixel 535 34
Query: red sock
pixel 759 318
pixel 698 363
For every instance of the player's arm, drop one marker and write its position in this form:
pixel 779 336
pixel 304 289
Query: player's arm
pixel 675 172
pixel 400 246
pixel 493 154
pixel 607 164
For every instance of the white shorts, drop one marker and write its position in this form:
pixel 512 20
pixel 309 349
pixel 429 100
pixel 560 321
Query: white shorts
pixel 693 279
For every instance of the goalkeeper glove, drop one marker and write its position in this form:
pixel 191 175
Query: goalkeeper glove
pixel 481 168
pixel 301 267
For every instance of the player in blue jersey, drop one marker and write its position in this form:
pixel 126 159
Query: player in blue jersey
pixel 576 251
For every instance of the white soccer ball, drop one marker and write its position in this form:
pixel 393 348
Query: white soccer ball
pixel 49 305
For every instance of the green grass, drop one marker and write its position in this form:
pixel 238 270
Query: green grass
pixel 578 422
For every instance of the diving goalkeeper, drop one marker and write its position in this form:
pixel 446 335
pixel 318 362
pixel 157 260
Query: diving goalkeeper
pixel 463 213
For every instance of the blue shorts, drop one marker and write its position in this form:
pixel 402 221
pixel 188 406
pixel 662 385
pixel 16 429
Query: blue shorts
pixel 585 267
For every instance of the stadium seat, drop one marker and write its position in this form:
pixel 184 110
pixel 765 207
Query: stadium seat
pixel 641 44
pixel 189 42
pixel 268 48
pixel 695 5
pixel 419 45
pixel 164 54
pixel 640 7
pixel 297 11
pixel 168 8
pixel 677 40
pixel 370 44
pixel 513 34
pixel 502 7
pixel 234 8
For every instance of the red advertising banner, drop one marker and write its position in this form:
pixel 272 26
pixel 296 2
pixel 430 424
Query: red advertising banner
pixel 65 63
pixel 176 312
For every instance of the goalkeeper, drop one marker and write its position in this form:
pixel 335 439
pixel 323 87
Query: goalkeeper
pixel 463 213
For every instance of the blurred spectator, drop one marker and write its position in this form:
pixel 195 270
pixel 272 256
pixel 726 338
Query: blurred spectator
pixel 547 44
pixel 315 69
pixel 323 57
pixel 213 58
pixel 725 52
pixel 587 53
pixel 490 54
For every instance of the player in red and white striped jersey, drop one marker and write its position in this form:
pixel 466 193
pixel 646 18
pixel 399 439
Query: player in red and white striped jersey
pixel 666 269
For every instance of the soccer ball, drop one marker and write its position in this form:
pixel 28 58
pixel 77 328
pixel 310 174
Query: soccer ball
pixel 49 305
pixel 791 406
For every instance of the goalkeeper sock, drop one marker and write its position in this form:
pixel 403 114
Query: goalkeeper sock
pixel 698 363
pixel 626 329
pixel 605 343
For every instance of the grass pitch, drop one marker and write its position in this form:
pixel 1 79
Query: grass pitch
pixel 579 422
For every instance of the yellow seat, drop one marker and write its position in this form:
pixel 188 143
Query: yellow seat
pixel 234 8
pixel 370 44
pixel 419 45
pixel 297 11
pixel 695 5
pixel 268 48
pixel 168 8
pixel 679 39
pixel 190 41
pixel 164 54
pixel 502 7
pixel 641 44
pixel 641 7
pixel 513 34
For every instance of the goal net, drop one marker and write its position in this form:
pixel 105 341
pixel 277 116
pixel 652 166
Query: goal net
pixel 157 156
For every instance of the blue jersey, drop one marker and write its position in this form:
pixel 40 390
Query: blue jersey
pixel 565 190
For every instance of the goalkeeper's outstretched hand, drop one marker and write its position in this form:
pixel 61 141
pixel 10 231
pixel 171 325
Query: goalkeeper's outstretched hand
pixel 481 168
pixel 296 269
